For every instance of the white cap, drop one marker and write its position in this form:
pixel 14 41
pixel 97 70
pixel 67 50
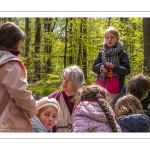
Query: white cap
pixel 45 101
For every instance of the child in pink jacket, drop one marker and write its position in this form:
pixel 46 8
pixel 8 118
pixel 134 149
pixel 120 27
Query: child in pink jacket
pixel 17 104
pixel 92 112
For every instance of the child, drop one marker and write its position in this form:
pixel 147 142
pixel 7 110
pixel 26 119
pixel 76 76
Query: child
pixel 130 115
pixel 112 63
pixel 139 86
pixel 17 105
pixel 46 116
pixel 92 112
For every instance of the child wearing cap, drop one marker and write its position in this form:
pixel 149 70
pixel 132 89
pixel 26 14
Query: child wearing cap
pixel 46 116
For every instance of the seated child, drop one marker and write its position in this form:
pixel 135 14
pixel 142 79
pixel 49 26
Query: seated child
pixel 130 114
pixel 92 112
pixel 139 86
pixel 46 116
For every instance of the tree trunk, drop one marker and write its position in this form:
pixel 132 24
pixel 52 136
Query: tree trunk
pixel 80 46
pixel 146 32
pixel 70 41
pixel 37 48
pixel 84 60
pixel 66 43
pixel 109 23
pixel 27 31
pixel 48 28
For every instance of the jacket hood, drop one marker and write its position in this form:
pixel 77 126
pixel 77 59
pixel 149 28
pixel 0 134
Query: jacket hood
pixel 37 125
pixel 134 123
pixel 91 109
pixel 6 56
pixel 88 116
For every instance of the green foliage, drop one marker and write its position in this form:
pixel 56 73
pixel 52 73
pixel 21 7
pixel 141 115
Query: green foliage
pixel 42 90
pixel 67 39
pixel 52 77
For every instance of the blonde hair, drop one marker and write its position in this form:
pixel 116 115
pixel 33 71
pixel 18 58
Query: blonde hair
pixel 41 110
pixel 114 31
pixel 126 105
pixel 102 96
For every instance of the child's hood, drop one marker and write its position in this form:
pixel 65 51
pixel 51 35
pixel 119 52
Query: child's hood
pixel 6 56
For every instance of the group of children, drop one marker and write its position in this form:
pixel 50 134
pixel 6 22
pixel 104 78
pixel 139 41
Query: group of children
pixel 93 113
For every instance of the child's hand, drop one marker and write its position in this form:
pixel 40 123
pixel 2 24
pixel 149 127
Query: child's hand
pixel 110 65
pixel 102 68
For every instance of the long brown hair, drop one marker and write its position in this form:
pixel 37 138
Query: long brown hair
pixel 102 96
pixel 10 35
pixel 138 85
pixel 126 105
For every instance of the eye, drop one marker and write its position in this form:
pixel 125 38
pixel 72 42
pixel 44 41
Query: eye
pixel 65 80
pixel 47 115
pixel 55 116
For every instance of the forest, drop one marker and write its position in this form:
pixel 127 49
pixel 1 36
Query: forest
pixel 55 43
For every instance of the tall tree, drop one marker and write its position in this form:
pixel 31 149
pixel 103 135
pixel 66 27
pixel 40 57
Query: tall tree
pixel 80 45
pixel 37 48
pixel 66 43
pixel 84 60
pixel 71 41
pixel 49 26
pixel 27 31
pixel 109 22
pixel 146 32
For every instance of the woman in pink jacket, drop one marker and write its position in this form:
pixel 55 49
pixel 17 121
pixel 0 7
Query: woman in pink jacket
pixel 92 112
pixel 17 104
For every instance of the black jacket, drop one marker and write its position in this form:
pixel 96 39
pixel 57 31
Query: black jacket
pixel 122 69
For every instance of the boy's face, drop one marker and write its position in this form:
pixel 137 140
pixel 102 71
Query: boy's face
pixel 110 39
pixel 48 117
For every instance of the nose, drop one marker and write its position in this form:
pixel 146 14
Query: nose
pixel 50 118
pixel 64 81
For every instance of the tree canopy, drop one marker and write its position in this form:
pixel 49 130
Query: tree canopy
pixel 55 43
